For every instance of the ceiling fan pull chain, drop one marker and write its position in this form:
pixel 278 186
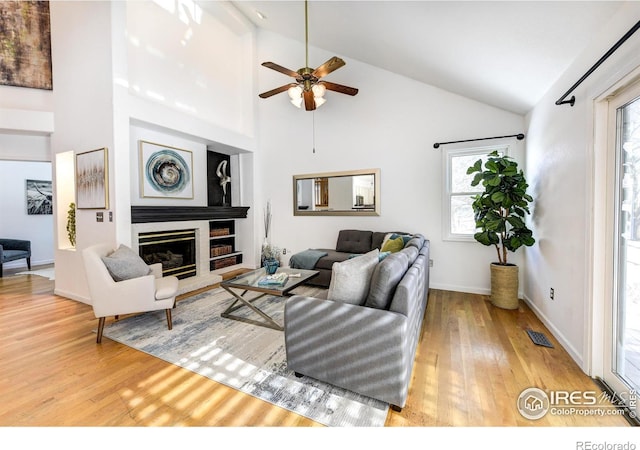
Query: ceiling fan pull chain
pixel 313 130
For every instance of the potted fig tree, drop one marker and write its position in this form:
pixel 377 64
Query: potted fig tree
pixel 500 211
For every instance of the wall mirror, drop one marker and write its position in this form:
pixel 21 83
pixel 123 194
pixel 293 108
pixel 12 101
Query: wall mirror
pixel 349 193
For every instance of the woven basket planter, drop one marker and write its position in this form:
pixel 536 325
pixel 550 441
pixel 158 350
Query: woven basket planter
pixel 504 285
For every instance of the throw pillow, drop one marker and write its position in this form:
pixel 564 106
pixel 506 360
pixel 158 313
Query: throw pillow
pixel 383 255
pixel 124 264
pixel 384 280
pixel 393 245
pixel 350 279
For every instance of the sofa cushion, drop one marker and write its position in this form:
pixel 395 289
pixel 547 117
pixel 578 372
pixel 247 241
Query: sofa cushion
pixel 393 245
pixel 411 252
pixel 332 256
pixel 354 241
pixel 384 280
pixel 350 279
pixel 416 241
pixel 124 264
pixel 377 238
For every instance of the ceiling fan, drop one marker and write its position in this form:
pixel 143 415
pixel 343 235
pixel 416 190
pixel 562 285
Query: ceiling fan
pixel 308 86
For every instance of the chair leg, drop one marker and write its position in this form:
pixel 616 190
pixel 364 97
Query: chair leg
pixel 169 321
pixel 100 329
pixel 29 263
pixel 0 270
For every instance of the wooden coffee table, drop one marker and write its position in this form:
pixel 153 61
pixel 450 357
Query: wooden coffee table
pixel 248 282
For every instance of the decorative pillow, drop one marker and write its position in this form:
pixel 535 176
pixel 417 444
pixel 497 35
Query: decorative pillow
pixel 384 280
pixel 393 245
pixel 383 255
pixel 405 237
pixel 124 264
pixel 350 279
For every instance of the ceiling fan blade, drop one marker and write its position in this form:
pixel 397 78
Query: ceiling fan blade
pixel 279 68
pixel 276 91
pixel 339 88
pixel 328 67
pixel 309 102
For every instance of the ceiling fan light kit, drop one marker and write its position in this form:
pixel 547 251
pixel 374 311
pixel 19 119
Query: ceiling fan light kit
pixel 308 88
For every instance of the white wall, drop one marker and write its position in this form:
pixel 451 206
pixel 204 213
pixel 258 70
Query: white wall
pixel 187 59
pixel 391 124
pixel 15 223
pixel 560 169
pixel 116 81
pixel 199 174
pixel 83 108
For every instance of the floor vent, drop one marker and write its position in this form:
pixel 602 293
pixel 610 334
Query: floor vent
pixel 539 338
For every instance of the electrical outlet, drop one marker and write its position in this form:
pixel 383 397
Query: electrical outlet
pixel 551 294
pixel 284 251
pixel 431 263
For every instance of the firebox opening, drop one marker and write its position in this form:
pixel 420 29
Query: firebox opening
pixel 175 250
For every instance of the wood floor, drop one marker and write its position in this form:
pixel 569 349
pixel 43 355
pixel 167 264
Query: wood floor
pixel 473 360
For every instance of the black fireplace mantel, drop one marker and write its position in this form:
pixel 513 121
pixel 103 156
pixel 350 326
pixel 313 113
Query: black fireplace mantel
pixel 146 214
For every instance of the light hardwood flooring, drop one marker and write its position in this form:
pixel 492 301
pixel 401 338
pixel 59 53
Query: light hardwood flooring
pixel 472 362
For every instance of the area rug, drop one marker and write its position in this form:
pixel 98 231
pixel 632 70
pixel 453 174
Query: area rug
pixel 47 273
pixel 243 356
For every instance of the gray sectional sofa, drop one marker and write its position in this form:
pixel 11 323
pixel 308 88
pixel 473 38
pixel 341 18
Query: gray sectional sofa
pixel 349 242
pixel 364 346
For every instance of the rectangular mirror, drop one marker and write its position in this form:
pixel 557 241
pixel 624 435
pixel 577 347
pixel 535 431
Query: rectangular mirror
pixel 349 193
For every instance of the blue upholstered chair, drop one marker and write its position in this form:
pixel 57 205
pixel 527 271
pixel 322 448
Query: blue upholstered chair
pixel 14 249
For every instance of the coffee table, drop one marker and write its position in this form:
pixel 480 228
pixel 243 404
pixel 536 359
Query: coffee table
pixel 248 282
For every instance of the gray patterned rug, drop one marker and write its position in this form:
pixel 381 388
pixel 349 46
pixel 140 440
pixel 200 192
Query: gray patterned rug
pixel 245 357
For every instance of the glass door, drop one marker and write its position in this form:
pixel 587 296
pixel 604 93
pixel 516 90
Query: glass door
pixel 623 375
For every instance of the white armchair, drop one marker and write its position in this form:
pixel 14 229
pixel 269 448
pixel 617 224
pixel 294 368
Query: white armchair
pixel 110 298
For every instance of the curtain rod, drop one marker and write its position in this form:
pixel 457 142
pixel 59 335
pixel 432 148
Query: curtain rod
pixel 572 100
pixel 517 136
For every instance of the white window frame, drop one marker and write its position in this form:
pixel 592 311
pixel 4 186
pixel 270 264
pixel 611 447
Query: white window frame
pixel 448 155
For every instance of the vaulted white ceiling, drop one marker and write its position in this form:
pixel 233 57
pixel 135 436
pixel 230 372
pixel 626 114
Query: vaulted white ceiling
pixel 502 53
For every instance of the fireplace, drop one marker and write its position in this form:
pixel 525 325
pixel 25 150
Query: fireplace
pixel 174 249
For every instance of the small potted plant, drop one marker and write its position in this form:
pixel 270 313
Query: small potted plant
pixel 270 258
pixel 500 212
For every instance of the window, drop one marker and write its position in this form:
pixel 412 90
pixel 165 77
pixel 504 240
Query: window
pixel 458 220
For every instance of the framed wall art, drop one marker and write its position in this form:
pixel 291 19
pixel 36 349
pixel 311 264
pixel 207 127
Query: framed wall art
pixel 92 182
pixel 39 197
pixel 165 172
pixel 25 44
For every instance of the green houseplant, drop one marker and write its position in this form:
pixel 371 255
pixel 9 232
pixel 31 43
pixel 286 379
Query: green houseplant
pixel 500 211
pixel 71 224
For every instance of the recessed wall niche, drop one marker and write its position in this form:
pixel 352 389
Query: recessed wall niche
pixel 218 179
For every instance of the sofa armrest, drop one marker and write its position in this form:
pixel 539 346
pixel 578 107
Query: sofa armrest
pixel 362 349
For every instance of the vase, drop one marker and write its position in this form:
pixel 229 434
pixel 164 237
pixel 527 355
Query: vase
pixel 271 265
pixel 504 285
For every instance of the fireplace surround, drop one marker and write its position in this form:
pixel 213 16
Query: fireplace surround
pixel 150 220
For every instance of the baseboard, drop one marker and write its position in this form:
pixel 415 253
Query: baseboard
pixel 72 296
pixel 23 263
pixel 575 355
pixel 455 288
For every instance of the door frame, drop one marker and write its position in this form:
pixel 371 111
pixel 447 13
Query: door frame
pixel 603 225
